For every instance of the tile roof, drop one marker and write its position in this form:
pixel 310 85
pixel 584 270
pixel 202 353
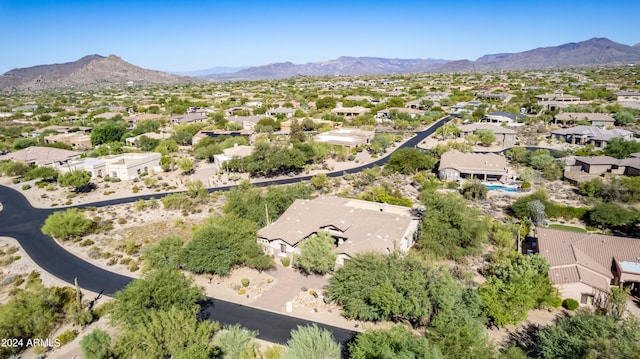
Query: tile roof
pixel 365 226
pixel 41 155
pixel 593 132
pixel 589 256
pixel 473 161
pixel 577 116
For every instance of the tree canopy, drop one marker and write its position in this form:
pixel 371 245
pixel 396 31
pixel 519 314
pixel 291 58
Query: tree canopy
pixel 408 161
pixel 66 224
pixel 450 228
pixel 316 254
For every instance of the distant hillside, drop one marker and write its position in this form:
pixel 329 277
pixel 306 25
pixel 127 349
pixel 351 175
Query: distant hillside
pixel 596 51
pixel 209 71
pixel 351 66
pixel 92 70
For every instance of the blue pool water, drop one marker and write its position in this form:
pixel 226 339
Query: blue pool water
pixel 498 187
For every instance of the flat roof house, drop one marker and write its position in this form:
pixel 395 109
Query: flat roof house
pixel 501 117
pixel 357 227
pixel 584 266
pixel 124 166
pixel 348 137
pixel 350 111
pixel 455 165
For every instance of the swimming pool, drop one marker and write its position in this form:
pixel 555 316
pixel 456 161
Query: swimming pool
pixel 501 187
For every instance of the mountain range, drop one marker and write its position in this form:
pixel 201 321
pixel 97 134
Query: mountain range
pixel 89 71
pixel 96 70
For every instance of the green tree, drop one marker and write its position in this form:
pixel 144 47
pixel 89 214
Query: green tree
pixel 223 243
pixel 166 147
pixel 450 229
pixel 474 189
pixel 185 165
pixel 45 173
pixel 607 215
pixel 157 291
pixel 66 224
pixel 326 103
pixel 108 131
pixel 620 148
pixel 147 144
pixel 587 335
pixel 316 254
pixel 321 182
pixel 236 342
pixel 96 345
pixel 76 179
pixel 379 287
pixel 164 334
pixel 311 342
pixel 13 168
pixel 33 313
pixel 166 254
pixel 513 286
pixel 397 342
pixel 486 137
pixel 624 117
pixel 409 161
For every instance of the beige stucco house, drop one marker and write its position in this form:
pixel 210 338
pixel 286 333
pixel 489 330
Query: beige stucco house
pixel 584 266
pixel 357 227
pixel 124 166
pixel 455 165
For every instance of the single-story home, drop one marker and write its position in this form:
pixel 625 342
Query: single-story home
pixel 42 156
pixel 585 168
pixel 348 137
pixel 505 137
pixel 283 111
pixel 628 96
pixel 595 119
pixel 596 136
pixel 501 117
pixel 584 266
pixel 77 140
pixel 350 111
pixel 386 113
pixel 456 165
pixel 125 166
pixel 357 227
pixel 237 151
pixel 192 117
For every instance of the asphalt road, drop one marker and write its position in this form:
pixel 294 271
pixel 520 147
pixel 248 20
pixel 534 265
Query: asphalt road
pixel 21 221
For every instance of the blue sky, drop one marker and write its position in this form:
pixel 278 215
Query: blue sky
pixel 191 35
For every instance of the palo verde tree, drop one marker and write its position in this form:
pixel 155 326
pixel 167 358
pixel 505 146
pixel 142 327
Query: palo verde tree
pixel 66 224
pixel 316 254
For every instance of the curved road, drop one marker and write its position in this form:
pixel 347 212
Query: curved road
pixel 19 220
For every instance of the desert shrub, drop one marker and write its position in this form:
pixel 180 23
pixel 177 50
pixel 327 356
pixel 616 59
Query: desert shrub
pixel 242 291
pixel 66 224
pixel 556 302
pixel 285 261
pixel 570 304
pixel 67 336
pixel 26 187
pixel 245 282
pixel 86 243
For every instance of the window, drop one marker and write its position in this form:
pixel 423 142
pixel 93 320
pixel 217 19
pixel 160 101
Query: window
pixel 586 299
pixel 283 248
pixel 114 174
pixel 139 171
